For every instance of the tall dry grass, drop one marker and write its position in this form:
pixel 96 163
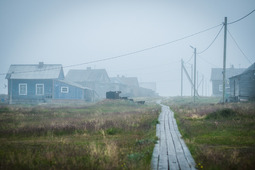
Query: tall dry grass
pixel 107 135
pixel 218 136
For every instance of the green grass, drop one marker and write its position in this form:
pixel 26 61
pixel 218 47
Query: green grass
pixel 106 135
pixel 218 136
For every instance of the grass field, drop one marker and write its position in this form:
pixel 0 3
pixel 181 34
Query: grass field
pixel 105 135
pixel 218 136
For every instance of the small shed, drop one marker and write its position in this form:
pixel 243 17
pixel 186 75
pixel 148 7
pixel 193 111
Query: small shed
pixel 242 86
pixel 113 95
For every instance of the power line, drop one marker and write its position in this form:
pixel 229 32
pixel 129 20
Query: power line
pixel 212 41
pixel 187 62
pixel 208 62
pixel 134 52
pixel 145 49
pixel 239 47
pixel 242 17
pixel 149 67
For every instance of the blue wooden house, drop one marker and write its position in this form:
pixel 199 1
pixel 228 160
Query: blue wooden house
pixel 36 83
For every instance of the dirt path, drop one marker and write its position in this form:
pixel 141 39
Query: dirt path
pixel 170 152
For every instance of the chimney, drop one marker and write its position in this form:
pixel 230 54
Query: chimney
pixel 40 64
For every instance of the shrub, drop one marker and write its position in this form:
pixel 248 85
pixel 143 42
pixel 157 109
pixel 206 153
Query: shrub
pixel 221 114
pixel 113 131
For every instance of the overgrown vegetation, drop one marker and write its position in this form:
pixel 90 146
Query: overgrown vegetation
pixel 106 135
pixel 218 136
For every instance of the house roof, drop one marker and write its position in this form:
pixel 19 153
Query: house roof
pixel 216 73
pixel 92 75
pixel 35 71
pixel 74 84
pixel 130 81
pixel 251 68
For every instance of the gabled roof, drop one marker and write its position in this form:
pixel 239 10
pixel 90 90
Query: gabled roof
pixel 91 75
pixel 74 84
pixel 35 71
pixel 251 68
pixel 148 85
pixel 130 81
pixel 216 73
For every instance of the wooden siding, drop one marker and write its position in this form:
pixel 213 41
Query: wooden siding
pixel 73 91
pixel 243 86
pixel 30 97
pixel 215 88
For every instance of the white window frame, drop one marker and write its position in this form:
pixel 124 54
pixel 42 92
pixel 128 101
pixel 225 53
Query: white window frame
pixel 220 87
pixel 22 84
pixel 36 92
pixel 64 91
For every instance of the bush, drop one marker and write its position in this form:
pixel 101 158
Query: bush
pixel 113 131
pixel 222 114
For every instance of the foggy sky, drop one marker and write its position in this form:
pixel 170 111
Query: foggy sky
pixel 72 32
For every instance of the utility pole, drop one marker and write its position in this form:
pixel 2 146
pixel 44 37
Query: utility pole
pixel 224 59
pixel 203 85
pixel 187 74
pixel 195 72
pixel 197 81
pixel 195 69
pixel 206 87
pixel 181 77
pixel 191 73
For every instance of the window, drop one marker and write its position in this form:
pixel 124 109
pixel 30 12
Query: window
pixel 220 87
pixel 22 89
pixel 64 90
pixel 39 89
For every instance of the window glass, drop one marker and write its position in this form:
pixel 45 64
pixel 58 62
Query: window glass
pixel 64 89
pixel 23 89
pixel 39 89
pixel 220 87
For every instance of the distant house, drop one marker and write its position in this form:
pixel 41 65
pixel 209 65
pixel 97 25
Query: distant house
pixel 36 83
pixel 149 85
pixel 96 79
pixel 130 87
pixel 130 81
pixel 242 86
pixel 217 78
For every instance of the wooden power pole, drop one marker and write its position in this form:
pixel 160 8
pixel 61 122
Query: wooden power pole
pixel 181 77
pixel 224 60
pixel 195 62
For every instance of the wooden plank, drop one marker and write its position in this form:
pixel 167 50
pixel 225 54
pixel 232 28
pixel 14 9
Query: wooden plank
pixel 170 152
pixel 163 160
pixel 186 151
pixel 183 163
pixel 155 157
pixel 172 159
pixel 184 156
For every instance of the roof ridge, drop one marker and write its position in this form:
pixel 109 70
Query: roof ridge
pixel 87 69
pixel 32 64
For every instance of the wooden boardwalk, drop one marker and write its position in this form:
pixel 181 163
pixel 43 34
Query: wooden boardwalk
pixel 170 152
